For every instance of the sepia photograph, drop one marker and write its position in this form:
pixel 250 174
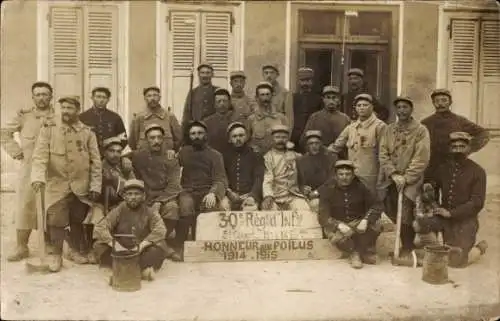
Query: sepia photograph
pixel 219 160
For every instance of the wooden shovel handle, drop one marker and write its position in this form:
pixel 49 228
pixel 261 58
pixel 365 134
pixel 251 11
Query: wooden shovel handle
pixel 398 224
pixel 40 215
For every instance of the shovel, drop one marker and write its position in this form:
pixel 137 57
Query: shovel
pixel 38 263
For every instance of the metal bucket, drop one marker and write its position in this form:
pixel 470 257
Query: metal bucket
pixel 126 270
pixel 435 265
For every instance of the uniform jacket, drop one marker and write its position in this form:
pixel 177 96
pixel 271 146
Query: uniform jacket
pixel 202 171
pixel 245 171
pixel 217 129
pixel 440 125
pixel 405 150
pixel 315 170
pixel 162 117
pixel 346 204
pixel 243 105
pixel 259 127
pixel 280 176
pixel 161 176
pixel 27 123
pixel 105 124
pixel 304 105
pixel 331 124
pixel 142 222
pixel 362 139
pixel 67 158
pixel 282 102
pixel 113 180
pixel 349 109
pixel 203 104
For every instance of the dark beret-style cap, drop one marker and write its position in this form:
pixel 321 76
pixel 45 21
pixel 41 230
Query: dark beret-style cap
pixel 148 89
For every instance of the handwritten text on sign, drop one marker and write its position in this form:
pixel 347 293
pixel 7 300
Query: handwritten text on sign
pixel 263 225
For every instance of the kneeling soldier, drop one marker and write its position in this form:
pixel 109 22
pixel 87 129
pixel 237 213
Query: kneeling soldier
pixel 133 217
pixel 348 212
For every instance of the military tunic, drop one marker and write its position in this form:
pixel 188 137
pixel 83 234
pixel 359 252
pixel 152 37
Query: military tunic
pixel 167 120
pixel 350 110
pixel 105 124
pixel 27 123
pixel 304 105
pixel 203 104
pixel 243 105
pixel 315 170
pixel 259 127
pixel 331 124
pixel 113 180
pixel 282 102
pixel 217 130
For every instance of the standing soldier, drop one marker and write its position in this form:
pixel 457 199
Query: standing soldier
pixel 330 121
pixel 442 123
pixel 104 123
pixel 243 104
pixel 282 99
pixel 27 123
pixel 280 189
pixel 66 158
pixel 244 170
pixel 261 122
pixel 404 155
pixel 161 177
pixel 155 114
pixel 305 103
pixel 362 139
pixel 315 167
pixel 202 103
pixel 356 86
pixel 217 123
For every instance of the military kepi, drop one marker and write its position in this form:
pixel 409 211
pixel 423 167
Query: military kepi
pixel 460 136
pixel 133 183
pixel 111 141
pixel 331 90
pixel 237 74
pixel 153 126
pixel 305 73
pixel 197 123
pixel 313 133
pixel 344 163
pixel 222 91
pixel 366 97
pixel 280 129
pixel 356 71
pixel 440 91
pixel 70 99
pixel 206 65
pixel 234 125
pixel 271 66
pixel 264 84
pixel 403 98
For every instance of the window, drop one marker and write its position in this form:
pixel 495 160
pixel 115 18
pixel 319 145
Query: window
pixel 319 22
pixel 375 24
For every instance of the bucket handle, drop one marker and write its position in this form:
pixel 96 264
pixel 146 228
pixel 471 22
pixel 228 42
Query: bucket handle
pixel 131 236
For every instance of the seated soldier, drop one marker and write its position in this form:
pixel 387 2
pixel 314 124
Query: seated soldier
pixel 161 176
pixel 315 167
pixel 462 183
pixel 244 170
pixel 134 218
pixel 280 186
pixel 348 212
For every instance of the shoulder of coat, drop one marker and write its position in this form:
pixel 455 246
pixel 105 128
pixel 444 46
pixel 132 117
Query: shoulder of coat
pixel 25 110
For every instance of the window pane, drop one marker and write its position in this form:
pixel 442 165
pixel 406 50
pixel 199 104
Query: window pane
pixel 370 24
pixel 316 22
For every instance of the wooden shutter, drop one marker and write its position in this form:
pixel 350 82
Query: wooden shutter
pixel 66 51
pixel 183 55
pixel 489 74
pixel 217 45
pixel 101 52
pixel 464 55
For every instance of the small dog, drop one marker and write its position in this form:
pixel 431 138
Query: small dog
pixel 424 212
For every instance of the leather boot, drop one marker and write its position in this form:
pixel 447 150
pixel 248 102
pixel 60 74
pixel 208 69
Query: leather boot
pixel 21 251
pixel 355 261
pixel 54 262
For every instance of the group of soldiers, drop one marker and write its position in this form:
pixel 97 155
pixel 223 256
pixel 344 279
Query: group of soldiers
pixel 327 152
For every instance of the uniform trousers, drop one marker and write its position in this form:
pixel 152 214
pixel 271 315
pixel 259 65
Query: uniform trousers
pixel 391 209
pixel 191 205
pixel 152 256
pixel 228 205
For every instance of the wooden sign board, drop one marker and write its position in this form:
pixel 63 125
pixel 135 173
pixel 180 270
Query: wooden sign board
pixel 259 250
pixel 258 225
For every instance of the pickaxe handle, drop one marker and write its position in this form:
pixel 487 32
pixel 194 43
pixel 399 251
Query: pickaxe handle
pixel 398 224
pixel 40 216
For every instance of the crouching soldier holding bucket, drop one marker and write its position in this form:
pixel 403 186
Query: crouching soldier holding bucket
pixel 133 217
pixel 348 212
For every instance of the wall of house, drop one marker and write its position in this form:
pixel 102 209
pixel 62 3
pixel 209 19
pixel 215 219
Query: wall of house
pixel 142 52
pixel 264 38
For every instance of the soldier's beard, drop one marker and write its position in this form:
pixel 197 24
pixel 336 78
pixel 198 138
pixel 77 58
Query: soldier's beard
pixel 198 142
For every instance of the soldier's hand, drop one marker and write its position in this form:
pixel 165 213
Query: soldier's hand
pixel 210 200
pixel 361 228
pixel 233 197
pixel 94 196
pixel 156 207
pixel 267 203
pixel 127 165
pixel 37 186
pixel 442 212
pixel 143 245
pixel 307 190
pixel 119 247
pixel 170 154
pixel 19 156
pixel 399 180
pixel 344 229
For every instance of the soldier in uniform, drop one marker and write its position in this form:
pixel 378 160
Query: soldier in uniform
pixel 66 159
pixel 261 122
pixel 203 179
pixel 462 183
pixel 305 103
pixel 202 103
pixel 161 177
pixel 330 121
pixel 280 189
pixel 244 170
pixel 155 114
pixel 404 155
pixel 217 123
pixel 104 123
pixel 314 168
pixel 362 140
pixel 27 123
pixel 243 104
pixel 356 86
pixel 348 213
pixel 282 99
pixel 442 123
pixel 133 217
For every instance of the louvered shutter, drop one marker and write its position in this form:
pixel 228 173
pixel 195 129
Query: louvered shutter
pixel 183 52
pixel 217 45
pixel 66 51
pixel 489 74
pixel 101 52
pixel 464 63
